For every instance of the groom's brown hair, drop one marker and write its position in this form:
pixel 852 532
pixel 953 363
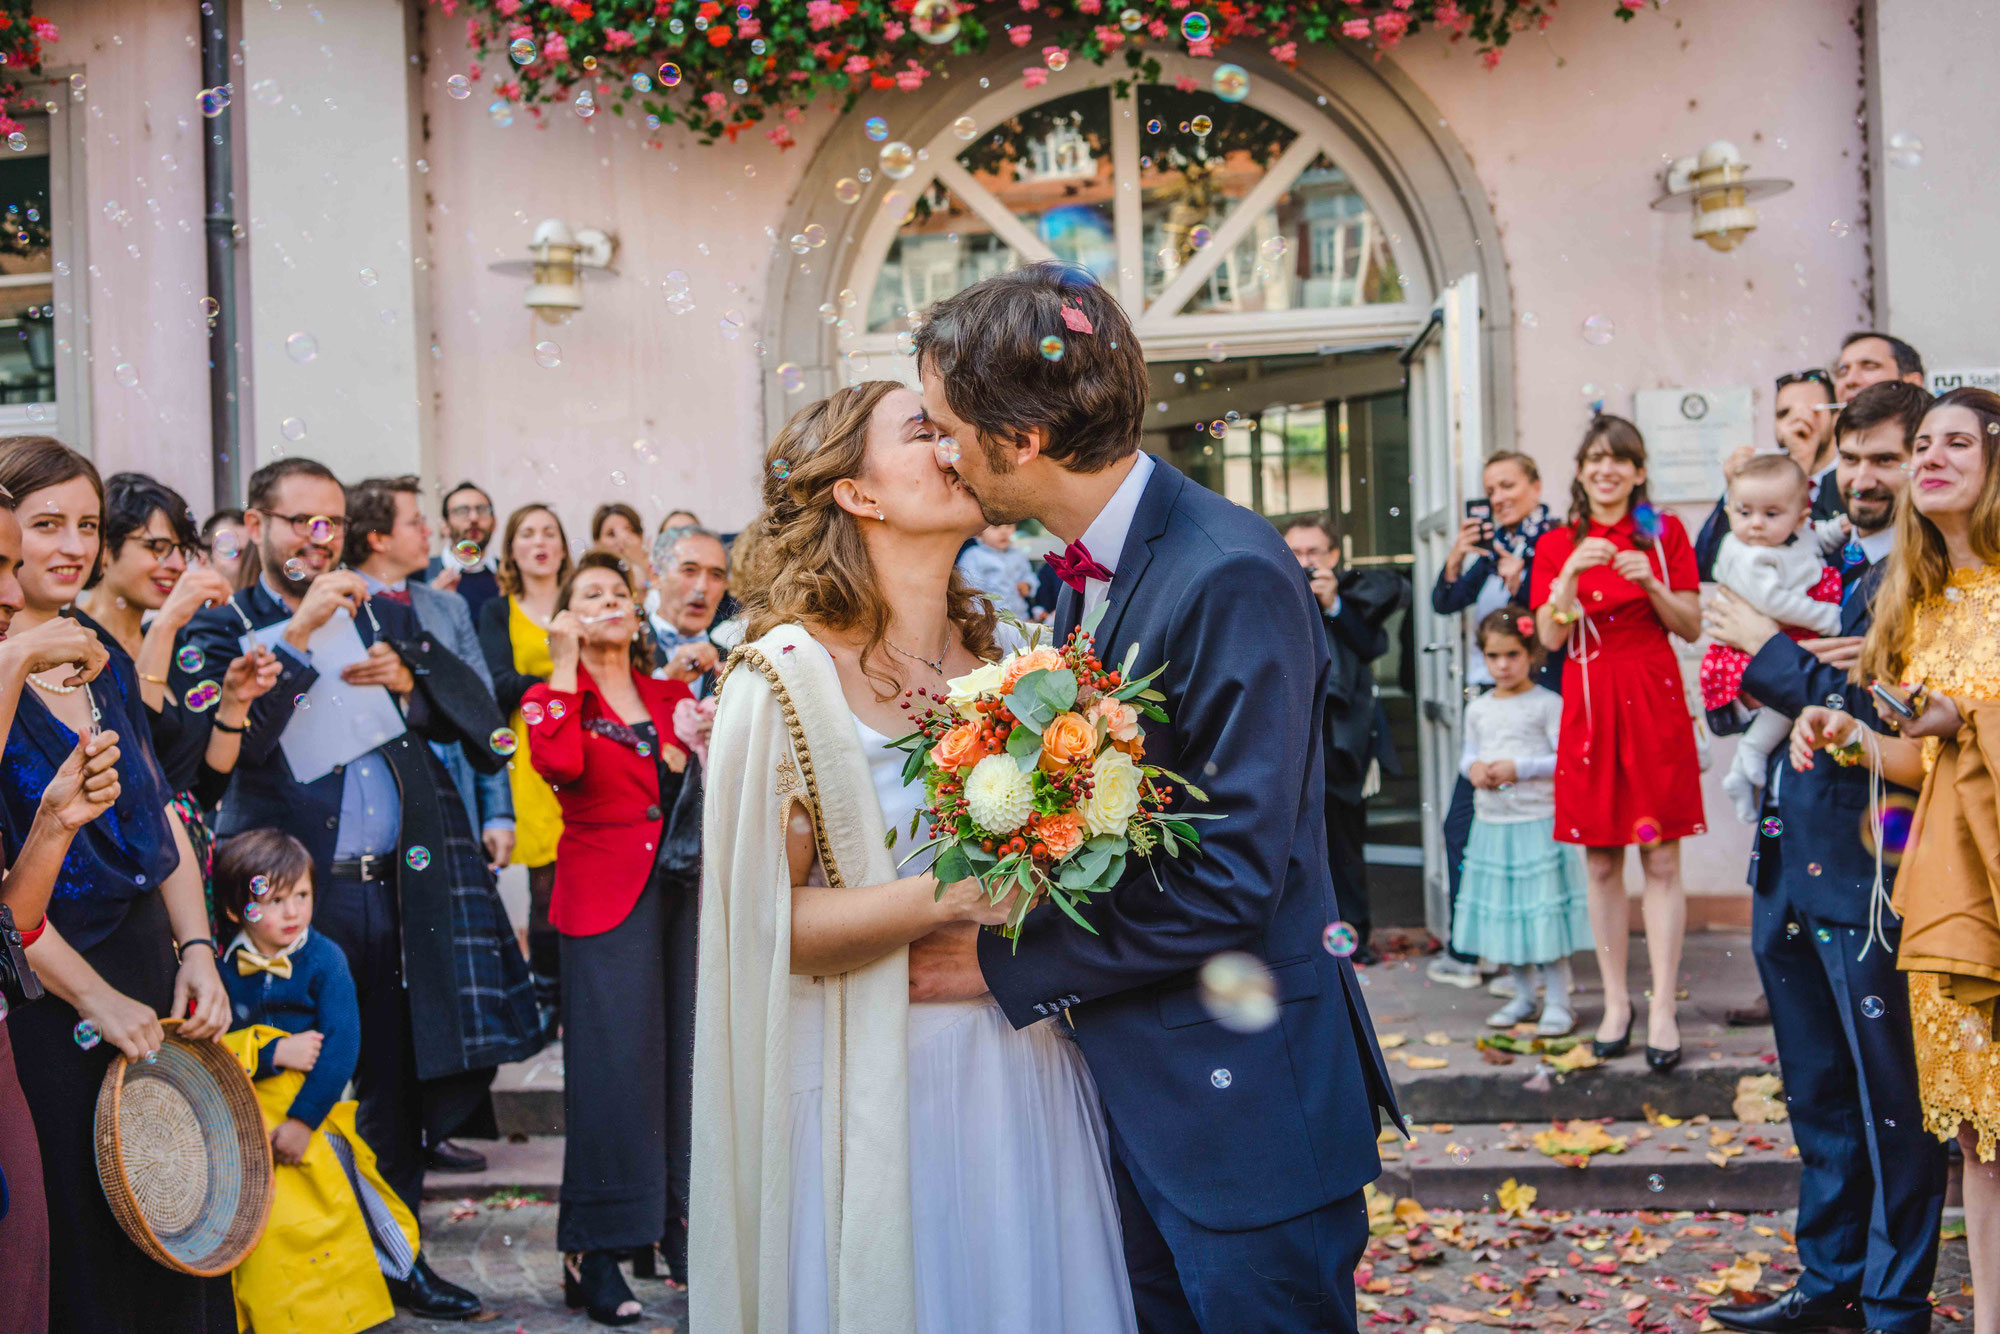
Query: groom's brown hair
pixel 991 350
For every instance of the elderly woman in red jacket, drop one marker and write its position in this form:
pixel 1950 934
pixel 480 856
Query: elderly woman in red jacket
pixel 602 733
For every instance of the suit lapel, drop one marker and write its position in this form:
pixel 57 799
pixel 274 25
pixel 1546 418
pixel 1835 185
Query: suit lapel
pixel 1149 524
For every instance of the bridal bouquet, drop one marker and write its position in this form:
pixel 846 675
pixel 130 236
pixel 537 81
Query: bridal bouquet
pixel 1035 774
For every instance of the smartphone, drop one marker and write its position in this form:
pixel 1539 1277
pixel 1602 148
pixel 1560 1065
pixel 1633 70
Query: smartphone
pixel 1482 510
pixel 1887 700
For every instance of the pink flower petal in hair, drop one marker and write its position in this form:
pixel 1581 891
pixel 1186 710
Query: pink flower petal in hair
pixel 1076 320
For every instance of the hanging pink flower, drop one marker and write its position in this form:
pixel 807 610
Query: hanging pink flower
pixel 715 102
pixel 911 79
pixel 555 47
pixel 1286 53
pixel 748 28
pixel 1020 35
pixel 1355 28
pixel 450 7
pixel 1089 6
pixel 1391 26
pixel 1187 83
pixel 1031 5
pixel 1157 29
pixel 45 30
pixel 1049 53
pixel 475 71
pixel 823 13
pixel 1034 76
pixel 856 64
pixel 1489 58
pixel 617 39
pixel 1204 47
pixel 781 135
pixel 1109 35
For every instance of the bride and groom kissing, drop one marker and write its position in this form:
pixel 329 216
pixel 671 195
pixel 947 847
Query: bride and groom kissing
pixel 905 1123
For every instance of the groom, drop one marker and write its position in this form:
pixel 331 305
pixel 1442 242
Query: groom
pixel 1239 1158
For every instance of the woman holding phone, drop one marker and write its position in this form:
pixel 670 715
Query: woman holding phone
pixel 1932 661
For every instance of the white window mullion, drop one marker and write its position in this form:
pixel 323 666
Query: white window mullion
pixel 995 214
pixel 1128 204
pixel 1291 164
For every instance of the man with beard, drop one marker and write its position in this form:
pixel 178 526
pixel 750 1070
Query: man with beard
pixel 1826 948
pixel 401 885
pixel 468 566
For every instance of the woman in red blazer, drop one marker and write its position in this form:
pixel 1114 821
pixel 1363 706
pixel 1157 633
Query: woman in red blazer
pixel 602 734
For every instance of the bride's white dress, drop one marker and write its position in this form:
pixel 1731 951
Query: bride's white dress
pixel 1015 1219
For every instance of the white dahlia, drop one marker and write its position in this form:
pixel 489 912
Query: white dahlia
pixel 998 796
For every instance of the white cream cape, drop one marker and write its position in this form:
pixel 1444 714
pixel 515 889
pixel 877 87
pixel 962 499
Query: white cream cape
pixel 783 732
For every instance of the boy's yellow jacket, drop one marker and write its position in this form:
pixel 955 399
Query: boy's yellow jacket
pixel 315 1271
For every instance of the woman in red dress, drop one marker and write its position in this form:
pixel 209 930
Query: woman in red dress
pixel 1608 588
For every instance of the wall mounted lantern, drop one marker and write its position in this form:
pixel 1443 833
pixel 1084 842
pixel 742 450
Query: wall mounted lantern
pixel 559 260
pixel 1716 184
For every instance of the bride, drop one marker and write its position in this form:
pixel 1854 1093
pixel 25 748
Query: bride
pixel 863 1164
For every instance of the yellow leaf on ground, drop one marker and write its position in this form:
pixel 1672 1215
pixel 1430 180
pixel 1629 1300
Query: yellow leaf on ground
pixel 1579 1057
pixel 1410 1213
pixel 1578 1137
pixel 1763 1231
pixel 1388 1040
pixel 1760 1100
pixel 1656 1117
pixel 1426 1062
pixel 1717 1159
pixel 1516 1199
pixel 1437 1038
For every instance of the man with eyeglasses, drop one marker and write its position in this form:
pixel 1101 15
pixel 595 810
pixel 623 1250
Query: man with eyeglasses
pixel 468 565
pixel 400 883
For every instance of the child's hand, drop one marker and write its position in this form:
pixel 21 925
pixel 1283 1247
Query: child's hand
pixel 1476 775
pixel 290 1141
pixel 300 1051
pixel 1500 772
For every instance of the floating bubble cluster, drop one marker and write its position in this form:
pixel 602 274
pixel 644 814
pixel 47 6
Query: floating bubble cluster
pixel 1237 991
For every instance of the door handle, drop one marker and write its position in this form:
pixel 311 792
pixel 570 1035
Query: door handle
pixel 1440 646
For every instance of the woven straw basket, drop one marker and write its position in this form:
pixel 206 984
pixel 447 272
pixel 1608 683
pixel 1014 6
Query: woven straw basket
pixel 182 1156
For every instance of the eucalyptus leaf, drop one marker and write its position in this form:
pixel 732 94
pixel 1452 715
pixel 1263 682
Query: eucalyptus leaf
pixel 952 865
pixel 1069 910
pixel 1025 747
pixel 1090 622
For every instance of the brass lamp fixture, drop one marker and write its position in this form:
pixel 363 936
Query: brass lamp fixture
pixel 1717 186
pixel 559 260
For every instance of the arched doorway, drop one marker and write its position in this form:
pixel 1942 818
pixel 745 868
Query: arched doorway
pixel 1285 250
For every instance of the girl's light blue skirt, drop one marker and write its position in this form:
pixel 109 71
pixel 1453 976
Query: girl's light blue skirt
pixel 1521 896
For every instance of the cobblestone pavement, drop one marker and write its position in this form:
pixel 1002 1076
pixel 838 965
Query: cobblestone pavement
pixel 1433 1273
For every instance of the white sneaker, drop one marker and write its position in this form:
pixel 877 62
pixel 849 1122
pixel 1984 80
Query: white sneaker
pixel 1452 972
pixel 1513 1012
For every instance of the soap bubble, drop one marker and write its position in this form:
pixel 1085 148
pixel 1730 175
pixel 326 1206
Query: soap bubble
pixel 1840 227
pixel 948 451
pixel 781 468
pixel 501 111
pixel 1598 330
pixel 503 741
pixel 260 886
pixel 189 658
pixel 295 569
pixel 1813 868
pixel 531 712
pixel 1237 991
pixel 1873 1007
pixel 467 553
pixel 670 75
pixel 1199 238
pixel 267 92
pixel 202 696
pixel 214 101
pixel 815 235
pixel 1772 826
pixel 898 159
pixel 935 21
pixel 790 378
pixel 458 87
pixel 1058 60
pixel 1972 1033
pixel 848 190
pixel 642 82
pixel 1853 554
pixel 556 710
pixel 1646 832
pixel 126 374
pixel 1656 1183
pixel 1195 26
pixel 1906 150
pixel 1052 348
pixel 319 530
pixel 548 355
pixel 875 128
pixel 253 912
pixel 17 141
pixel 965 128
pixel 418 857
pixel 1131 20
pixel 87 1033
pixel 1231 83
pixel 1340 939
pixel 1153 126
pixel 521 50
pixel 301 347
pixel 1897 813
pixel 292 428
pixel 1201 125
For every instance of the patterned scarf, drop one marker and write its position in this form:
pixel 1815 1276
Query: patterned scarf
pixel 1520 539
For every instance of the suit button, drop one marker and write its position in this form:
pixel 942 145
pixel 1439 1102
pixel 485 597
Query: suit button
pixel 652 812
pixel 1222 1079
pixel 333 822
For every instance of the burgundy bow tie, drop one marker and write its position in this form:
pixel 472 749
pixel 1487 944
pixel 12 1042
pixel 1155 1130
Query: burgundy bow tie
pixel 1076 564
pixel 401 595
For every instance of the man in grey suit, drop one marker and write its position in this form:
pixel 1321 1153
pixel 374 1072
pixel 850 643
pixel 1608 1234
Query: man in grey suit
pixel 388 541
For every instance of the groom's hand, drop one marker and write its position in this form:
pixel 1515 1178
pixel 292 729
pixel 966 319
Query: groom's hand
pixel 944 966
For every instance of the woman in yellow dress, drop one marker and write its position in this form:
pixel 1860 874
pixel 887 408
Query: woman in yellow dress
pixel 514 636
pixel 1937 632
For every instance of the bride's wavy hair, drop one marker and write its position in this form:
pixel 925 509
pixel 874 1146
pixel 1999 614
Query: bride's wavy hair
pixel 812 566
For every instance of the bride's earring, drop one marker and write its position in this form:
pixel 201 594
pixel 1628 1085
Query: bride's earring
pixel 878 515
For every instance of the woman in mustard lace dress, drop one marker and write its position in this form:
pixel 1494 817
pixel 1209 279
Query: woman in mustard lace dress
pixel 1937 633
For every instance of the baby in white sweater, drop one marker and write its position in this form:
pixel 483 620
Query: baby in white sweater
pixel 1771 559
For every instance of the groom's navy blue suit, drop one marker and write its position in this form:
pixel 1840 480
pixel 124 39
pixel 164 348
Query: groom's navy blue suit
pixel 1240 1157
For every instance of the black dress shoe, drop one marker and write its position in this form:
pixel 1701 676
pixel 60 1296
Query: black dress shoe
pixel 424 1293
pixel 1618 1046
pixel 448 1157
pixel 1662 1060
pixel 1793 1313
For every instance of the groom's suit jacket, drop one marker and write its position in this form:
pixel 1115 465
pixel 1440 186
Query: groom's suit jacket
pixel 1238 1130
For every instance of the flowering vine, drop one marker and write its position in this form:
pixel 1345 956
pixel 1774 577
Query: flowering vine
pixel 724 68
pixel 21 36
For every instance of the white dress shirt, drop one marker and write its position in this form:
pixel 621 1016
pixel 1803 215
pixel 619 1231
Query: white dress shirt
pixel 1105 538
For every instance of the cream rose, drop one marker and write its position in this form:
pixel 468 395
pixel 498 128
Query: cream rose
pixel 965 690
pixel 1114 797
pixel 998 796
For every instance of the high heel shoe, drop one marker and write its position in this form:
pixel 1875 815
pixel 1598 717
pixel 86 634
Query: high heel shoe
pixel 1662 1060
pixel 1618 1046
pixel 592 1281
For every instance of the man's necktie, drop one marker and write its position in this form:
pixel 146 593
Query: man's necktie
pixel 1076 565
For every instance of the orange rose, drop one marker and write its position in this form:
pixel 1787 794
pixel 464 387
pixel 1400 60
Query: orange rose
pixel 1068 740
pixel 1060 834
pixel 960 748
pixel 1136 747
pixel 1040 660
pixel 1121 718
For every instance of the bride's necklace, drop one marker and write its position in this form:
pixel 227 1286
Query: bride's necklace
pixel 935 664
pixel 40 684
